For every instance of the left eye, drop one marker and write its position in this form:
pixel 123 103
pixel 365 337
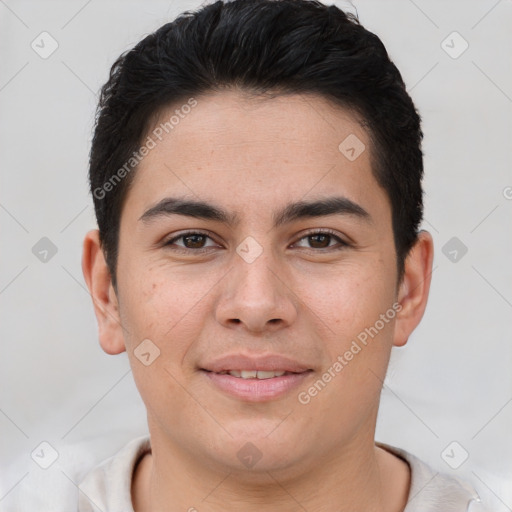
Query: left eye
pixel 322 240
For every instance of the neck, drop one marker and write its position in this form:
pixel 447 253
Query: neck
pixel 358 476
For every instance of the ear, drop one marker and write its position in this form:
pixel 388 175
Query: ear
pixel 106 307
pixel 414 288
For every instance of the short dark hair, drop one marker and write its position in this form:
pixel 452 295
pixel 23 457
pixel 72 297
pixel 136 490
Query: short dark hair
pixel 262 47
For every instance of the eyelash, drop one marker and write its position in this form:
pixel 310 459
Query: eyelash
pixel 342 243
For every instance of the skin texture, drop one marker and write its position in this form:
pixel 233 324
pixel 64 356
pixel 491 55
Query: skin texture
pixel 252 156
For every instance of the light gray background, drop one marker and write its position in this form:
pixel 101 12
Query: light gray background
pixel 452 382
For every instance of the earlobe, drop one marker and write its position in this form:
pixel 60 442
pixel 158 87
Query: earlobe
pixel 106 307
pixel 414 288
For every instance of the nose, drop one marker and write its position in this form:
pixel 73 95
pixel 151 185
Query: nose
pixel 255 296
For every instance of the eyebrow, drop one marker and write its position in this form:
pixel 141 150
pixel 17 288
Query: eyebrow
pixel 294 211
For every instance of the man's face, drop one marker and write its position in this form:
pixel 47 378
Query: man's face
pixel 300 287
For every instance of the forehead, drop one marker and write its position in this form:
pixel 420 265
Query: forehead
pixel 231 145
pixel 237 118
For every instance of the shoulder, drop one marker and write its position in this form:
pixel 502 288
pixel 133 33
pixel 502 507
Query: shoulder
pixel 108 485
pixel 432 490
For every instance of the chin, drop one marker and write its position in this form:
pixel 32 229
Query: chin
pixel 259 449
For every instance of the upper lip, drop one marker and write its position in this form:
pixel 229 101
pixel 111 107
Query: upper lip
pixel 269 362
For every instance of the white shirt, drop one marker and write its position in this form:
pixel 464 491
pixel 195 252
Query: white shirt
pixel 107 488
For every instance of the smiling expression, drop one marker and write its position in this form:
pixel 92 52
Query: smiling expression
pixel 250 242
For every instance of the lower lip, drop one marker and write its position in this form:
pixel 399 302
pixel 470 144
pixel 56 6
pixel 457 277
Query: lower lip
pixel 256 390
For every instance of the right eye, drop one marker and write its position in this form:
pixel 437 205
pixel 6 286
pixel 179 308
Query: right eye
pixel 191 241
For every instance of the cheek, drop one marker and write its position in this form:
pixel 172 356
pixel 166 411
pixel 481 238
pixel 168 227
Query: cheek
pixel 169 306
pixel 348 301
pixel 170 317
pixel 356 340
pixel 155 308
pixel 357 344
